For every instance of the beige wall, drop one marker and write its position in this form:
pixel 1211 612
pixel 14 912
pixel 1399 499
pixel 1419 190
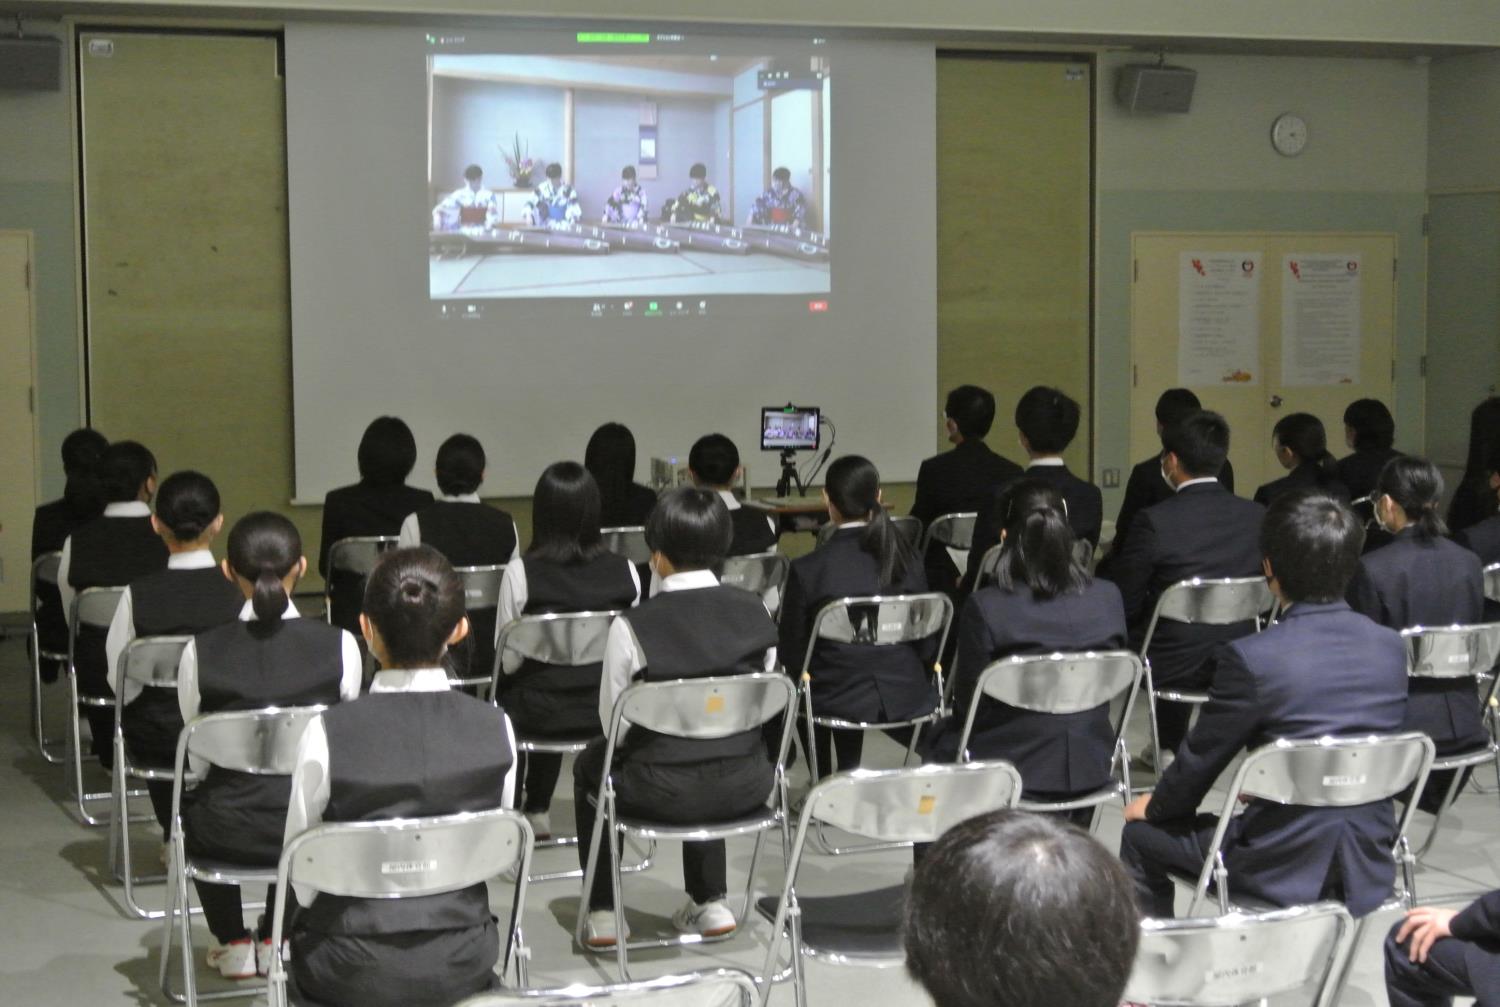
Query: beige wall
pixel 1463 150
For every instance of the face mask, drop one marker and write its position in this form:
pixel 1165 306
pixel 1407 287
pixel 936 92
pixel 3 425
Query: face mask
pixel 1380 522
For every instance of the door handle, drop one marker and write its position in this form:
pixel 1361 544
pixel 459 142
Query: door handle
pixel 1275 401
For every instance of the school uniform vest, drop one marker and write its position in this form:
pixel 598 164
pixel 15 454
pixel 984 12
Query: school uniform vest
pixel 752 532
pixel 406 755
pixel 109 552
pixel 699 633
pixel 601 584
pixel 250 666
pixel 468 534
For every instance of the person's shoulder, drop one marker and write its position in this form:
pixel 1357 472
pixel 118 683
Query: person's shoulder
pixel 342 493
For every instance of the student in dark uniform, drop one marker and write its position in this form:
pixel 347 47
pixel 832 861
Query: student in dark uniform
pixel 1202 531
pixel 1147 485
pixel 188 597
pixel 1474 501
pixel 865 556
pixel 964 479
pixel 610 458
pixel 112 550
pixel 714 464
pixel 266 657
pixel 53 522
pixel 376 505
pixel 1435 954
pixel 1483 539
pixel 694 628
pixel 1370 429
pixel 1047 421
pixel 410 748
pixel 1423 579
pixel 1301 446
pixel 468 532
pixel 1322 670
pixel 565 569
pixel 1042 601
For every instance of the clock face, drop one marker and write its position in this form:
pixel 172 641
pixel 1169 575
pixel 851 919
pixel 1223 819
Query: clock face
pixel 1289 134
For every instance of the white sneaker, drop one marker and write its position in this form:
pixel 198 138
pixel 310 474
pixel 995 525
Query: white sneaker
pixel 1147 759
pixel 263 955
pixel 599 932
pixel 711 919
pixel 235 960
pixel 541 825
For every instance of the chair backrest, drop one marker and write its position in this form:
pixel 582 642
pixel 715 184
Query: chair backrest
pixel 1061 683
pixel 408 856
pixel 1335 772
pixel 628 541
pixel 1492 582
pixel 719 988
pixel 987 564
pixel 917 804
pixel 956 530
pixel 481 585
pixel 261 742
pixel 909 527
pixel 563 638
pixel 95 606
pixel 1226 961
pixel 152 660
pixel 761 572
pixel 44 570
pixel 359 554
pixel 882 620
pixel 705 708
pixel 1219 601
pixel 1451 651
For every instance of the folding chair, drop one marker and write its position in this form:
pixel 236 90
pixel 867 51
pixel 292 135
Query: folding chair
pixel 1061 684
pixel 356 555
pixel 260 742
pixel 764 573
pixel 695 709
pixel 719 988
pixel 1201 601
pixel 1456 652
pixel 151 663
pixel 909 527
pixel 879 621
pixel 481 594
pixel 891 807
pixel 567 640
pixel 94 608
pixel 628 541
pixel 404 858
pixel 1229 961
pixel 954 532
pixel 987 564
pixel 43 571
pixel 1492 582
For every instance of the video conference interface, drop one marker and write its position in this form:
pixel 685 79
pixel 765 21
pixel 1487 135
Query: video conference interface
pixel 625 174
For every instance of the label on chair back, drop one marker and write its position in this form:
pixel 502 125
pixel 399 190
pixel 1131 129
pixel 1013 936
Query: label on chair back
pixel 714 704
pixel 1243 971
pixel 1345 781
pixel 925 804
pixel 407 866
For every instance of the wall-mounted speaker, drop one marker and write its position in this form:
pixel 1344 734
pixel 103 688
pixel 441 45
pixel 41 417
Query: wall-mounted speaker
pixel 1147 87
pixel 30 64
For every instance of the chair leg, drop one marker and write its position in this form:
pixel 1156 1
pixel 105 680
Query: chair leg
pixel 1155 731
pixel 750 879
pixel 1335 990
pixel 617 886
pixel 119 833
pixel 799 970
pixel 168 921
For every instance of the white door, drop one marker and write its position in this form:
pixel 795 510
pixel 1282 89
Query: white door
pixel 17 420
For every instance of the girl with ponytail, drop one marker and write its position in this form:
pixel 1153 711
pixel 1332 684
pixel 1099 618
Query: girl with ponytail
pixel 266 657
pixel 1042 601
pixel 1422 578
pixel 865 556
pixel 1301 446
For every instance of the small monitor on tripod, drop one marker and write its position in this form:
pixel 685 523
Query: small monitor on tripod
pixel 789 428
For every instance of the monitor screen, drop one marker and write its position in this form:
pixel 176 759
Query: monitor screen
pixel 789 428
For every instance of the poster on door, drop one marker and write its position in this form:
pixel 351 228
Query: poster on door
pixel 1218 324
pixel 1320 319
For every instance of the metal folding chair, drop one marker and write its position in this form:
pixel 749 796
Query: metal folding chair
pixel 909 527
pixel 987 564
pixel 954 532
pixel 1492 582
pixel 430 856
pixel 259 742
pixel 94 608
pixel 1229 961
pixel 356 555
pixel 1456 652
pixel 1062 684
pixel 628 541
pixel 877 621
pixel 764 573
pixel 719 988
pixel 481 593
pixel 889 807
pixel 151 663
pixel 43 571
pixel 1201 601
pixel 691 709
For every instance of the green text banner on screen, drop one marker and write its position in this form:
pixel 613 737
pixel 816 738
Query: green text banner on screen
pixel 533 376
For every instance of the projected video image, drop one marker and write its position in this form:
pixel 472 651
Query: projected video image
pixel 588 177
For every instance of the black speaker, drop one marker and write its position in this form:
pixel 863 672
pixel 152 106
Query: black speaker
pixel 30 64
pixel 1147 87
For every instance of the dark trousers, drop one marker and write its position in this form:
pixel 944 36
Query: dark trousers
pixel 715 790
pixel 224 911
pixel 1150 850
pixel 428 968
pixel 538 773
pixel 1172 724
pixel 1453 968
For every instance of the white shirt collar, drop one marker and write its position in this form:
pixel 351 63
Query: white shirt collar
pixel 127 508
pixel 1048 460
pixel 247 611
pixel 689 580
pixel 459 498
pixel 730 500
pixel 850 524
pixel 1195 482
pixel 410 680
pixel 197 559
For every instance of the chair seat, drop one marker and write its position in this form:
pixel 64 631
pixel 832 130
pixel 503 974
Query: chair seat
pixel 208 869
pixel 1182 695
pixel 878 725
pixel 761 821
pixel 1106 793
pixel 559 743
pixel 859 928
pixel 1463 760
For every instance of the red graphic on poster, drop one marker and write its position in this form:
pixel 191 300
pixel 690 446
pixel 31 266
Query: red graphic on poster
pixel 1296 269
pixel 1198 267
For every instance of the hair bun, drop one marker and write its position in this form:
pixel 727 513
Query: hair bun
pixel 414 589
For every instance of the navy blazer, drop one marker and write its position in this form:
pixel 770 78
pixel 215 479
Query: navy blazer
pixel 1305 476
pixel 1479 921
pixel 1058 755
pixel 1483 540
pixel 1085 512
pixel 1418 581
pixel 359 510
pixel 1147 487
pixel 854 681
pixel 964 479
pixel 1202 531
pixel 1359 471
pixel 1322 670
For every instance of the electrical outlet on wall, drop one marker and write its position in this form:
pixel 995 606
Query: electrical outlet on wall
pixel 1111 479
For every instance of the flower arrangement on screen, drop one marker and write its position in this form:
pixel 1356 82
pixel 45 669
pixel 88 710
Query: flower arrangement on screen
pixel 520 163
